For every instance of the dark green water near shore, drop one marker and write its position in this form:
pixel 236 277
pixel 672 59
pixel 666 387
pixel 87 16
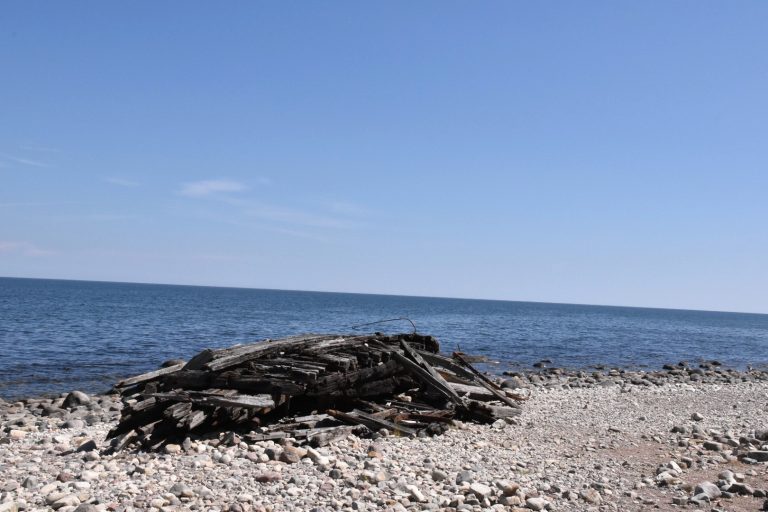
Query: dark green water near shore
pixel 61 335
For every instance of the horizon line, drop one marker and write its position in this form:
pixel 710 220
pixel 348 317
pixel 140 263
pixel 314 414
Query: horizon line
pixel 385 295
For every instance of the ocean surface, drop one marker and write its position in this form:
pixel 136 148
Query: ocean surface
pixel 56 336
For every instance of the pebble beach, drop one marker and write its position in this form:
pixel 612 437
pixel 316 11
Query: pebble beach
pixel 680 438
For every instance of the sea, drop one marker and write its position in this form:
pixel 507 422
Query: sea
pixel 57 335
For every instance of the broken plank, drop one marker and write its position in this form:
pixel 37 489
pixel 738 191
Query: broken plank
pixel 485 381
pixel 424 376
pixel 410 352
pixel 149 376
pixel 360 418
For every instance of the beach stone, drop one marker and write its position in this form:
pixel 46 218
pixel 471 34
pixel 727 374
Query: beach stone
pixel 74 424
pixel 30 482
pixel 267 476
pixel 709 489
pixel 464 476
pixel 415 493
pixel 70 500
pixel 507 488
pixel 172 449
pixel 87 446
pixel 480 490
pixel 89 476
pixel 439 475
pixel 75 399
pixel 713 446
pixel 18 435
pixel 292 454
pixel 172 362
pixel 758 455
pixel 86 507
pixel 65 476
pixel 742 489
pixel 513 383
pixel 9 506
pixel 9 486
pixel 317 457
pixel 536 503
pixel 591 496
pixel 181 490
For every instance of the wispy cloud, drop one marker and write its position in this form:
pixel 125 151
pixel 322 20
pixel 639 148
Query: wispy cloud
pixel 22 160
pixel 209 187
pixel 25 248
pixel 120 182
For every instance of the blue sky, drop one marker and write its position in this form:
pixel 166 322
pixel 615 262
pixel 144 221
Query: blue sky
pixel 588 152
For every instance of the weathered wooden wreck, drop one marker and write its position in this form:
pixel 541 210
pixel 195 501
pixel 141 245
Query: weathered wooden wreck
pixel 311 388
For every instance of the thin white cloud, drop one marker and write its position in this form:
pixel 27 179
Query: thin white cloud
pixel 23 161
pixel 208 187
pixel 25 248
pixel 120 182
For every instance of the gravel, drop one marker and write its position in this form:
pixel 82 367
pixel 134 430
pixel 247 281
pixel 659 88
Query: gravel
pixel 575 447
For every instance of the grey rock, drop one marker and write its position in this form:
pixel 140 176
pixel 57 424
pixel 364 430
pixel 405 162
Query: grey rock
pixel 181 490
pixel 9 486
pixel 465 476
pixel 267 476
pixel 709 489
pixel 713 446
pixel 87 446
pixel 743 489
pixel 75 424
pixel 292 454
pixel 758 455
pixel 75 399
pixel 480 490
pixel 438 475
pixel 591 496
pixel 536 503
pixel 86 507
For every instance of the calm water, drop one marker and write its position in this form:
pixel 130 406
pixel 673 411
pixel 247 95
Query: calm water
pixel 61 335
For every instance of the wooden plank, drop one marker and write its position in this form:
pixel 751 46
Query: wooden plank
pixel 410 352
pixel 197 362
pixel 486 382
pixel 424 376
pixel 232 357
pixel 474 392
pixel 448 364
pixel 149 376
pixel 243 401
pixel 372 422
pixel 344 381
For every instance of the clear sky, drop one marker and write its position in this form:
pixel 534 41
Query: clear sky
pixel 591 152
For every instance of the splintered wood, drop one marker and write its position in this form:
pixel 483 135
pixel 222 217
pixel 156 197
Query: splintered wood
pixel 312 388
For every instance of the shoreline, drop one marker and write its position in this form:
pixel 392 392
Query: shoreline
pixel 548 375
pixel 578 445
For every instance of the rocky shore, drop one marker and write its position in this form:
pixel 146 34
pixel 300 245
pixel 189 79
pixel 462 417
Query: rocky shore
pixel 686 437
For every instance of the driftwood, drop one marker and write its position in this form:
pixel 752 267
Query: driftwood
pixel 311 388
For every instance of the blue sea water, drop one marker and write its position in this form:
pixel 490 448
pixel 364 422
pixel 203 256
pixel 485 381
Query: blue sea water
pixel 56 335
